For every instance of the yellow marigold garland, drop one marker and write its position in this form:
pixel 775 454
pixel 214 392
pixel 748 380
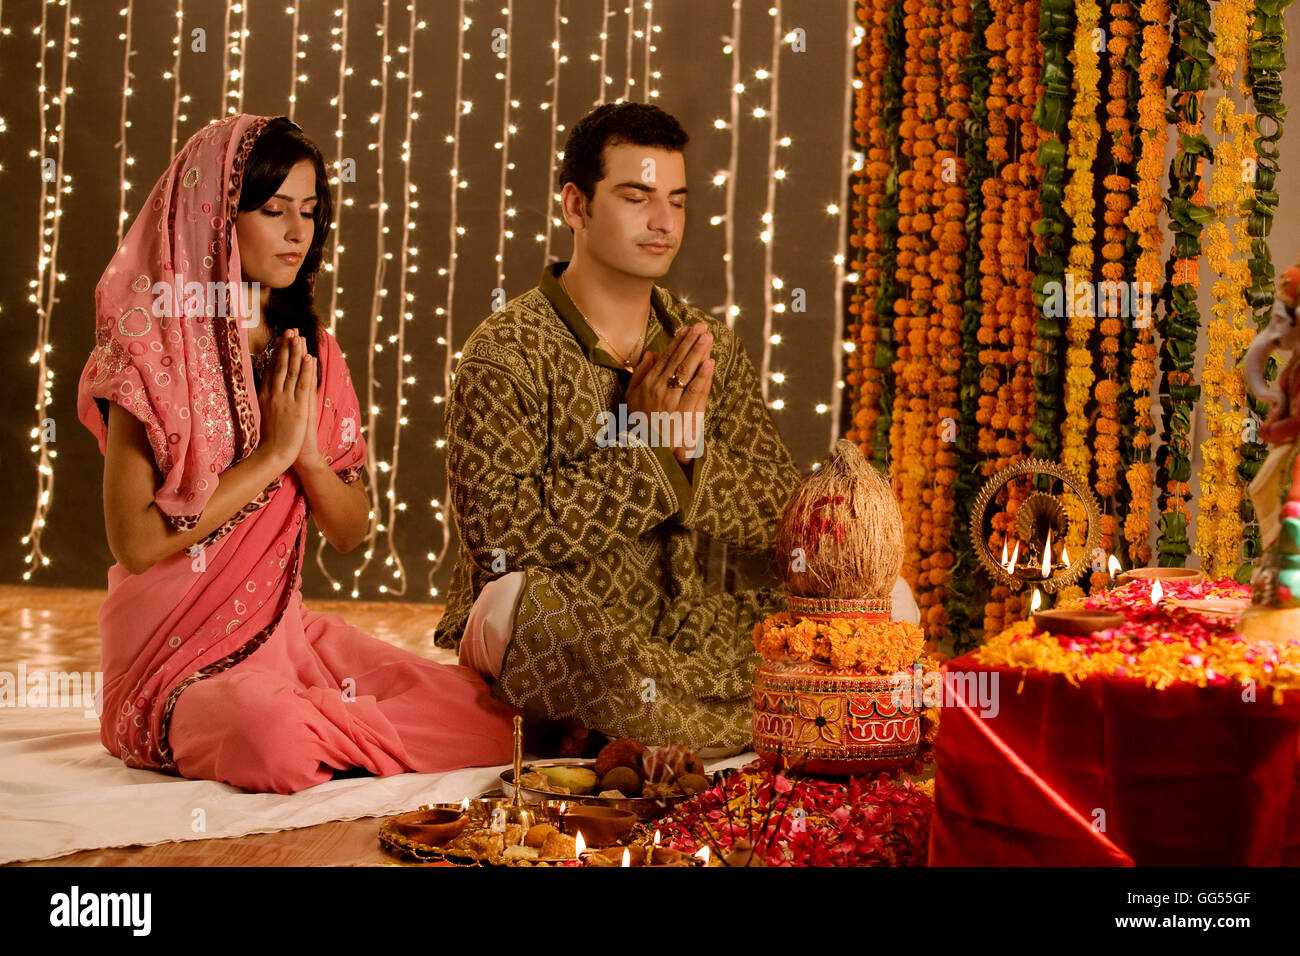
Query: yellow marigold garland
pixel 1085 134
pixel 1219 528
pixel 1144 220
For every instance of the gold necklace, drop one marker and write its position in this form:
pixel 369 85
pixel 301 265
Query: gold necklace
pixel 627 364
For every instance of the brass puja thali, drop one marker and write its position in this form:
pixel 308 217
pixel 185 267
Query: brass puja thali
pixel 556 817
pixel 645 808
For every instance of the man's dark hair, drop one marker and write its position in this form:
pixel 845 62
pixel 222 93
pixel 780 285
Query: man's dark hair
pixel 613 124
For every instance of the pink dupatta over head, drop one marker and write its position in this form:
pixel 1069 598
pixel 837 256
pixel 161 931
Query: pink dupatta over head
pixel 171 349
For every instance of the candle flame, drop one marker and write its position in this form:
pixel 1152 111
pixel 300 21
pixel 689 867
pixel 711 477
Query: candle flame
pixel 1037 601
pixel 1047 555
pixel 1114 566
pixel 703 854
pixel 627 859
pixel 1157 593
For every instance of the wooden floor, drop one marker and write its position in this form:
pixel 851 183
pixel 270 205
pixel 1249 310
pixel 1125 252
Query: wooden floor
pixel 55 629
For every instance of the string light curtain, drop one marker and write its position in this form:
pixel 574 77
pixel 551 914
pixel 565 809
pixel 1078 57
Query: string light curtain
pixel 400 325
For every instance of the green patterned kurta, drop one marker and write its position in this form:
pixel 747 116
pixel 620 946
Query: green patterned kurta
pixel 613 627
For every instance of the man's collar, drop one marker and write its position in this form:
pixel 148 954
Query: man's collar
pixel 585 334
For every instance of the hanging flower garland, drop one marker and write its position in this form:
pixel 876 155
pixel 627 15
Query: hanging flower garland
pixel 1266 59
pixel 1112 292
pixel 887 219
pixel 865 377
pixel 1218 527
pixel 907 430
pixel 1144 221
pixel 975 77
pixel 998 248
pixel 1077 205
pixel 944 356
pixel 1181 325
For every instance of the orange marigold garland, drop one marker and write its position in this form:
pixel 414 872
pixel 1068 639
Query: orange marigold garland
pixel 908 427
pixel 868 239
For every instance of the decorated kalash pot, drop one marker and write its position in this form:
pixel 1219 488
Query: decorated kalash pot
pixel 1275 614
pixel 837 691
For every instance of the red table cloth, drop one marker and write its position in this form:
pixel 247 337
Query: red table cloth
pixel 1112 772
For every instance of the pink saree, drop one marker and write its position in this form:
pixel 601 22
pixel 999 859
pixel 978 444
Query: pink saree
pixel 213 668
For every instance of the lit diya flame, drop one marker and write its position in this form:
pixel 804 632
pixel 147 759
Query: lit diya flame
pixel 703 854
pixel 464 805
pixel 1114 566
pixel 1037 601
pixel 656 838
pixel 1157 593
pixel 1004 553
pixel 1010 563
pixel 1065 556
pixel 1047 556
pixel 580 845
pixel 627 857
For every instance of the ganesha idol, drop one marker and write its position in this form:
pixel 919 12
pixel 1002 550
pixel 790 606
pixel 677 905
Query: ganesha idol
pixel 833 696
pixel 1276 489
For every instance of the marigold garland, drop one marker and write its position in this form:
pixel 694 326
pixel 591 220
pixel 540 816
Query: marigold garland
pixel 868 646
pixel 1085 134
pixel 1219 527
pixel 865 376
pixel 1144 221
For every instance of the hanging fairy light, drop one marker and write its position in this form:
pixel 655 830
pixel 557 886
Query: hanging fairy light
pixel 557 58
pixel 295 54
pixel 174 74
pixel 840 345
pixel 124 160
pixel 605 78
pixel 775 173
pixel 45 286
pixel 378 293
pixel 461 107
pixel 405 299
pixel 629 80
pixel 233 48
pixel 731 48
pixel 652 89
pixel 340 45
pixel 505 210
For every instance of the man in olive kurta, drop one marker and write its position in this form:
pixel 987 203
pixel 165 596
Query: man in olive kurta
pixel 613 627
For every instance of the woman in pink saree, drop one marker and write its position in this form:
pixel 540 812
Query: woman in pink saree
pixel 225 419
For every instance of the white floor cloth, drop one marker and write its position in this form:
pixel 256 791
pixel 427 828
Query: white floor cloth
pixel 61 792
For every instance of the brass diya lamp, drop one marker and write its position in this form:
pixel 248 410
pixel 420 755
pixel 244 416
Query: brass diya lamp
pixel 1041 522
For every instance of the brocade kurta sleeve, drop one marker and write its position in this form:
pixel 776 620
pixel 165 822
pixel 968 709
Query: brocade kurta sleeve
pixel 745 475
pixel 515 504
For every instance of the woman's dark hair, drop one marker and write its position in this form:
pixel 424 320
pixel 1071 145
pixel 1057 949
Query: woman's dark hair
pixel 280 147
pixel 638 124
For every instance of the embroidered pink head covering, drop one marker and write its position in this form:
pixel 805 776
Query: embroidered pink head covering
pixel 170 346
